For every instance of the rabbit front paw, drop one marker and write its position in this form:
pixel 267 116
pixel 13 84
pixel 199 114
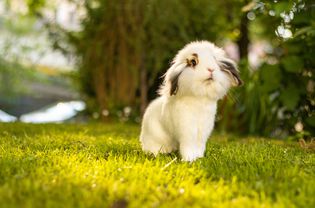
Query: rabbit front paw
pixel 191 153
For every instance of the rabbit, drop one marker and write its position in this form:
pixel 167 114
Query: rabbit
pixel 183 116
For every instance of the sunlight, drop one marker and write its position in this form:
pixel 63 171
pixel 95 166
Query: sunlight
pixel 4 117
pixel 57 113
pixel 283 32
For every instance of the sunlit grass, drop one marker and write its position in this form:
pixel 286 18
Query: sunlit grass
pixel 103 166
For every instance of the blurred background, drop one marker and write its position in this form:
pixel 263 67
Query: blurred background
pixel 102 60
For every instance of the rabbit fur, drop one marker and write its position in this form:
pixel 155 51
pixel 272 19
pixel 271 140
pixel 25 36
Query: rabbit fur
pixel 183 116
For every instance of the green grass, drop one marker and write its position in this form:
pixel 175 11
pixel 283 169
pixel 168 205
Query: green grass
pixel 103 166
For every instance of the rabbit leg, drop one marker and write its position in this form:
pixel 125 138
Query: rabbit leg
pixel 191 151
pixel 153 145
pixel 155 140
pixel 192 145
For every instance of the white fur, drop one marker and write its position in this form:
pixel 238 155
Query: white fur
pixel 185 120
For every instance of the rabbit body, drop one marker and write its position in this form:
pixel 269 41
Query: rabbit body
pixel 172 124
pixel 183 116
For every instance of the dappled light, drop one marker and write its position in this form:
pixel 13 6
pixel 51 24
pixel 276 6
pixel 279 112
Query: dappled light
pixel 99 170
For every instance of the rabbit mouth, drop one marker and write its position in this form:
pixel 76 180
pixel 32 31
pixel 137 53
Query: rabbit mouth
pixel 209 79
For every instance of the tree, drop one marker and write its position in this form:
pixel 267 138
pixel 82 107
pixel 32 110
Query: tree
pixel 125 46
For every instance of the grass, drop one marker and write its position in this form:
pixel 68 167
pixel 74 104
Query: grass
pixel 103 166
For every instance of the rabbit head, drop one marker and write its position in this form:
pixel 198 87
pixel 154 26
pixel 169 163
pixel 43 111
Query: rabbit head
pixel 200 69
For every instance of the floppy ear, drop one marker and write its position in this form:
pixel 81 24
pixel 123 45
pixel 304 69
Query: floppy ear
pixel 229 67
pixel 174 84
pixel 170 83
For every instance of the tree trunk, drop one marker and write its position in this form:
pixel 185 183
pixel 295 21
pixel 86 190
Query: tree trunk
pixel 99 86
pixel 243 41
pixel 143 87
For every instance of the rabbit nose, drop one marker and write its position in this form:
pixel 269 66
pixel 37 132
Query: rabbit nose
pixel 211 71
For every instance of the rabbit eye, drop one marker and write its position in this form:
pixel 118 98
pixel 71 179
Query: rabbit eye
pixel 193 60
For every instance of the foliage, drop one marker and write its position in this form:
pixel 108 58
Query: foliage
pixel 280 94
pixel 13 64
pixel 10 82
pixel 102 166
pixel 119 41
pixel 125 47
pixel 17 72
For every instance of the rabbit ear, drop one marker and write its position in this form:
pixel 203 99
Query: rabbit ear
pixel 170 83
pixel 174 83
pixel 229 66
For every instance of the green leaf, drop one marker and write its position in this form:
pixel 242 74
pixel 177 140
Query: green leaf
pixel 292 64
pixel 270 76
pixel 311 120
pixel 290 97
pixel 282 7
pixel 303 30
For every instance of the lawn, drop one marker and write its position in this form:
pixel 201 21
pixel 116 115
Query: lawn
pixel 97 165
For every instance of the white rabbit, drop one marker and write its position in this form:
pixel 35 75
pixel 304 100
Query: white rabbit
pixel 183 116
